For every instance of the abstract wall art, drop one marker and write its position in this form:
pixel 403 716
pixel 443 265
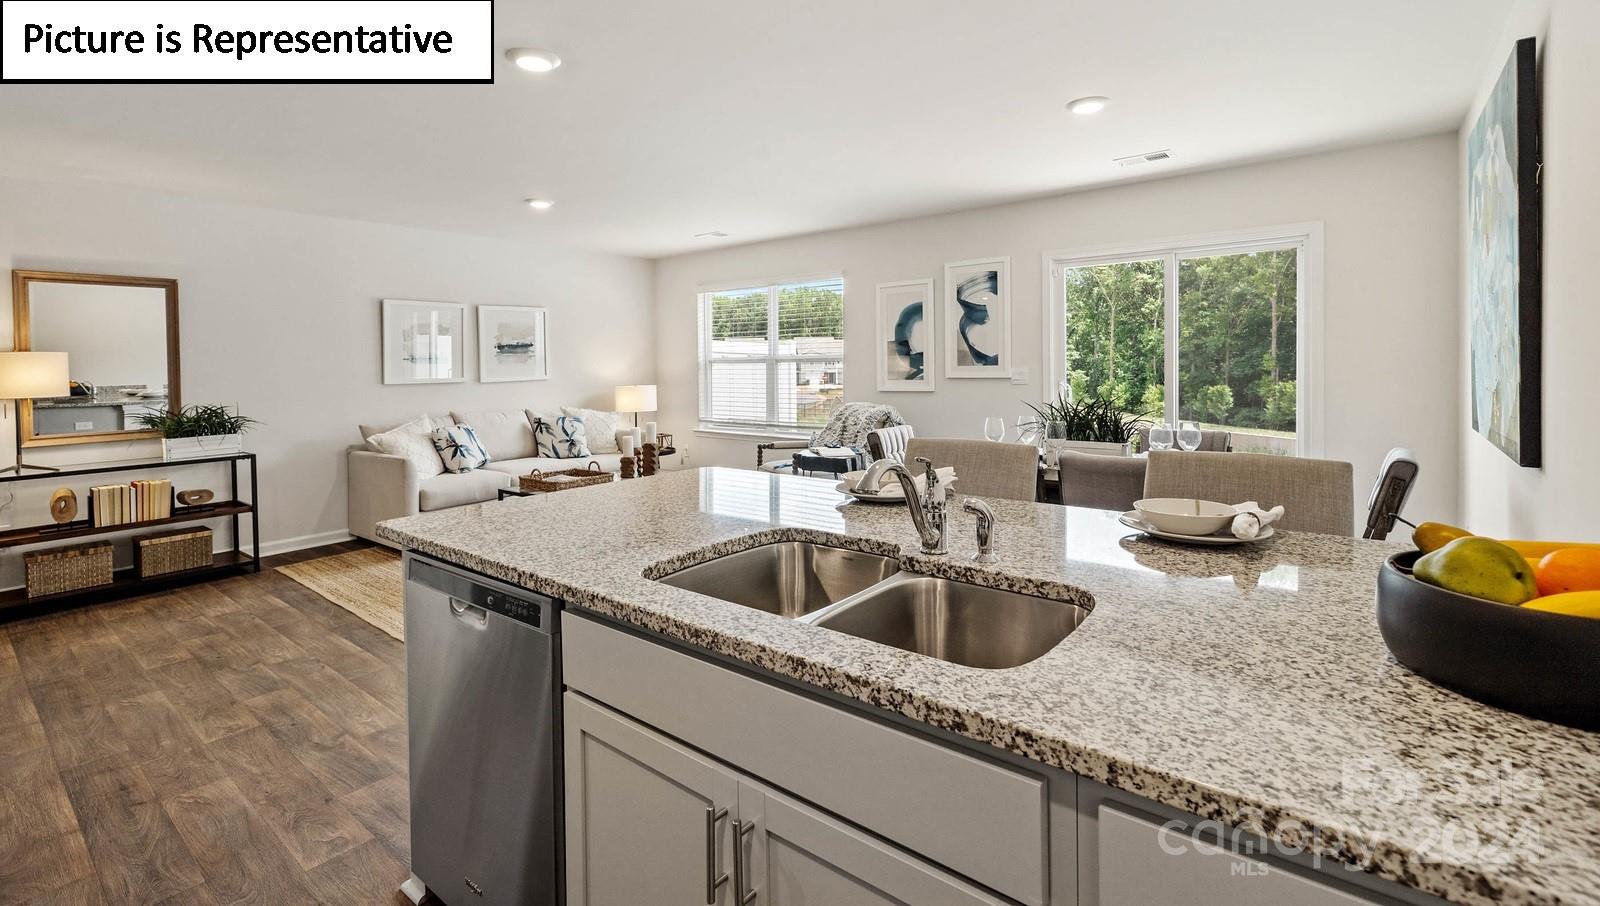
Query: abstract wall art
pixel 976 318
pixel 1503 282
pixel 905 335
pixel 424 342
pixel 512 344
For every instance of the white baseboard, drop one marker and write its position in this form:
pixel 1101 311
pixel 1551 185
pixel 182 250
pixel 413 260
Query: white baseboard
pixel 285 545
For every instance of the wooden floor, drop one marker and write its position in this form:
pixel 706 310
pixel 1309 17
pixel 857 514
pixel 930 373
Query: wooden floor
pixel 241 741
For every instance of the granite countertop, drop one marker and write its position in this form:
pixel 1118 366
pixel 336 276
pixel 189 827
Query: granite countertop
pixel 84 402
pixel 1247 685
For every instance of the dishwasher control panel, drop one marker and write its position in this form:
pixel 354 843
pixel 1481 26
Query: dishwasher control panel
pixel 525 607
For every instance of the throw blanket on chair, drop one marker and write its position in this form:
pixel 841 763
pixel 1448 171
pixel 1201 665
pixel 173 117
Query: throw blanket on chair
pixel 849 424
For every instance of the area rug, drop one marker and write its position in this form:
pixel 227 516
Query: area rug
pixel 366 582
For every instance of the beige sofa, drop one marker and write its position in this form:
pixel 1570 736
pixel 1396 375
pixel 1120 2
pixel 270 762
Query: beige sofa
pixel 382 486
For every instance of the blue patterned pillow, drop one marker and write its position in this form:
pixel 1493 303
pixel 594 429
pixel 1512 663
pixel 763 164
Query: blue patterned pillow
pixel 561 438
pixel 459 447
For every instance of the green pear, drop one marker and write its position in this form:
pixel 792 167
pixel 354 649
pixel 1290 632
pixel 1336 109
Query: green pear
pixel 1480 567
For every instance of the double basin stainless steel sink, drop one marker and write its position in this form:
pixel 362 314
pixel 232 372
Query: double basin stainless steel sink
pixel 867 596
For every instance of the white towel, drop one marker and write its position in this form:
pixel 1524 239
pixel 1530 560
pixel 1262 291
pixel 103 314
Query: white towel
pixel 1252 519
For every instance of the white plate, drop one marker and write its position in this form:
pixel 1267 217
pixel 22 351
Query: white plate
pixel 890 493
pixel 1222 539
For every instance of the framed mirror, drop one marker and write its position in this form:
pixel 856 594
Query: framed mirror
pixel 120 335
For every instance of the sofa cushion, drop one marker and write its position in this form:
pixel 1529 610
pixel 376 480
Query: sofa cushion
pixel 599 428
pixel 505 433
pixel 413 441
pixel 459 448
pixel 460 488
pixel 561 437
pixel 438 418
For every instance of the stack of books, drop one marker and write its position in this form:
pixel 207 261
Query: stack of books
pixel 139 501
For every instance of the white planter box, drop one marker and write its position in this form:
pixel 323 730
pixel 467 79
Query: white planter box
pixel 199 447
pixel 1053 448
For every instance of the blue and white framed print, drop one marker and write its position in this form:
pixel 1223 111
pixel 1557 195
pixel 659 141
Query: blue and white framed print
pixel 976 318
pixel 424 342
pixel 905 335
pixel 512 344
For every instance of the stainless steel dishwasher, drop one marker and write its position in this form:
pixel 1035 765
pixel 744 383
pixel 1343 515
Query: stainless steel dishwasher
pixel 483 693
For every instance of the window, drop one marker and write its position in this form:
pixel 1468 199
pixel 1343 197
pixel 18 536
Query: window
pixel 1203 331
pixel 772 356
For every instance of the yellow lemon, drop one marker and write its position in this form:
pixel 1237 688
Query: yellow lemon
pixel 1572 603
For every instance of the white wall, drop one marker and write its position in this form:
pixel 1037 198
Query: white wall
pixel 128 344
pixel 1560 500
pixel 1390 294
pixel 280 316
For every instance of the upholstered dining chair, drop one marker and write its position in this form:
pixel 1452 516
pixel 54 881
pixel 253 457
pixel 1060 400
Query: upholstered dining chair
pixel 983 468
pixel 1317 495
pixel 889 443
pixel 1101 482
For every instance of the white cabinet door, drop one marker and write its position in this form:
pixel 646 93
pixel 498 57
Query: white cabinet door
pixel 793 855
pixel 648 820
pixel 1142 863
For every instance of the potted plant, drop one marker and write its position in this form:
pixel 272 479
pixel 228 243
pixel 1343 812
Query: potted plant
pixel 196 431
pixel 1097 425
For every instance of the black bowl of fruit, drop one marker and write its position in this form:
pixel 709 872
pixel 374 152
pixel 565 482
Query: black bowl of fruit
pixel 1512 624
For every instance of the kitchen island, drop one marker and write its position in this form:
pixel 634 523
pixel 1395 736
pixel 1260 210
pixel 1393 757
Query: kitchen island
pixel 1247 686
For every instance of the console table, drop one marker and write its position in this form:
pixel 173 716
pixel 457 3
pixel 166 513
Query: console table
pixel 15 603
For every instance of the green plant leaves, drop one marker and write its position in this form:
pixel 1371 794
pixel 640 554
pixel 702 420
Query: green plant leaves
pixel 195 421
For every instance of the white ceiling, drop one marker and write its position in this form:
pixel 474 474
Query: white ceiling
pixel 766 118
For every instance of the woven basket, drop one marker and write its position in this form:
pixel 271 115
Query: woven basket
pixel 564 479
pixel 172 552
pixel 65 569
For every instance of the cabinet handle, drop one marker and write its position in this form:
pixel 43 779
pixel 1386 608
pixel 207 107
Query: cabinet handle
pixel 713 880
pixel 741 829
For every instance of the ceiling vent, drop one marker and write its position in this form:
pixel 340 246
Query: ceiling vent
pixel 1139 160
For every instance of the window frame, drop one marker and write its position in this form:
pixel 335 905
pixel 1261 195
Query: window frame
pixel 1309 334
pixel 771 360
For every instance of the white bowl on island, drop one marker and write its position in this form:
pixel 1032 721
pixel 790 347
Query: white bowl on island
pixel 1185 515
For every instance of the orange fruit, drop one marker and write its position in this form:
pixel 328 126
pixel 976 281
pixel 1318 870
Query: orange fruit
pixel 1568 569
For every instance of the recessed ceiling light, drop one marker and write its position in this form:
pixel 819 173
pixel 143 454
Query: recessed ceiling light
pixel 1088 105
pixel 532 59
pixel 541 204
pixel 714 234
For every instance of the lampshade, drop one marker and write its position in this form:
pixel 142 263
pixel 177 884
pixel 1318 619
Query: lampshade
pixel 29 375
pixel 636 398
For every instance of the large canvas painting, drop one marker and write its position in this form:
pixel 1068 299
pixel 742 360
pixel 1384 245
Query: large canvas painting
pixel 423 342
pixel 905 335
pixel 976 318
pixel 1503 261
pixel 511 344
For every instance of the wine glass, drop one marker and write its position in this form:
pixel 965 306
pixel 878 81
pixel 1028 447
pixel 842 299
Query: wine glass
pixel 1189 436
pixel 1027 430
pixel 1161 436
pixel 994 428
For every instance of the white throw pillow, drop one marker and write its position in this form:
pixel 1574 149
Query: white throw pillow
pixel 414 441
pixel 460 448
pixel 599 428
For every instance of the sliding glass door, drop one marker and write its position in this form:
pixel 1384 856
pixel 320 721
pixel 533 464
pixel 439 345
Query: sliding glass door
pixel 1209 333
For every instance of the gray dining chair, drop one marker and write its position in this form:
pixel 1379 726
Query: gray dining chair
pixel 1101 482
pixel 983 468
pixel 1317 495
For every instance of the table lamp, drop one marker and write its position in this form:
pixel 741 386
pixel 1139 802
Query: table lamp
pixel 26 376
pixel 636 398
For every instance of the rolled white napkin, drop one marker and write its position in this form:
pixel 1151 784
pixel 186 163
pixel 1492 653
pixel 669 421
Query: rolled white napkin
pixel 1252 519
